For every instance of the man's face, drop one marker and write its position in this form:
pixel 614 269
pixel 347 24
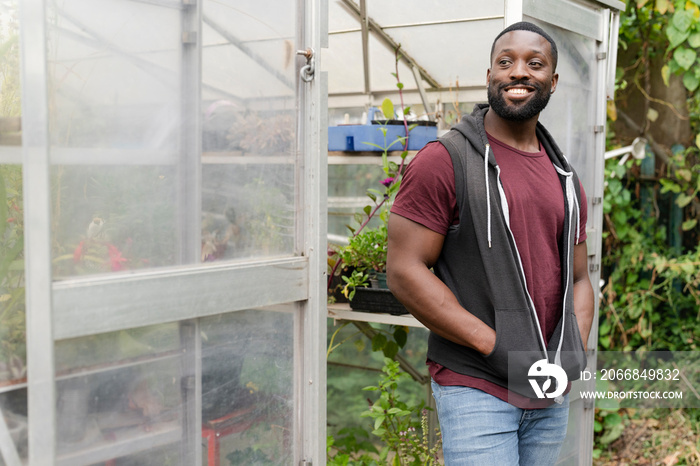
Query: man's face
pixel 521 78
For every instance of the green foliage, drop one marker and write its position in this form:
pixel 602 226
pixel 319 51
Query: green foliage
pixel 12 295
pixel 651 297
pixel 671 27
pixel 402 428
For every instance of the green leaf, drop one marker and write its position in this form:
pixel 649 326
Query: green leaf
pixel 665 74
pixel 682 19
pixel 400 336
pixel 683 199
pixel 399 85
pixel 378 342
pixel 697 140
pixel 360 345
pixel 612 434
pixel 359 218
pixel 694 40
pixel 388 109
pixel 661 6
pixel 684 174
pixel 390 349
pixel 689 224
pixel 378 421
pixel 685 57
pixel 374 145
pixel 668 185
pixel 368 209
pixel 690 81
pixel 612 419
pixel 675 37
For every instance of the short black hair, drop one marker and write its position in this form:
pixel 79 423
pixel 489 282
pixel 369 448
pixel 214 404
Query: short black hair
pixel 525 26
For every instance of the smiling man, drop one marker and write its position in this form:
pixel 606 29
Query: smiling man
pixel 495 209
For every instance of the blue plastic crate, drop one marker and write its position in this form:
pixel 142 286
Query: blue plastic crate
pixel 356 137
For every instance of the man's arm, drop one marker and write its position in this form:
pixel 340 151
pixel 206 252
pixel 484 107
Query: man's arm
pixel 584 304
pixel 412 251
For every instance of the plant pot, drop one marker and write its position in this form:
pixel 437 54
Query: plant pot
pixel 378 280
pixel 379 300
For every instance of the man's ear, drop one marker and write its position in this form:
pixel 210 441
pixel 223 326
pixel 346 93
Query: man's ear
pixel 555 80
pixel 488 76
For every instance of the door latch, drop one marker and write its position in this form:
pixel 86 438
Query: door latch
pixel 307 71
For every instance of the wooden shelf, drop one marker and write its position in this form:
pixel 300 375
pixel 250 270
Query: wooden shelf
pixel 342 311
pixel 366 157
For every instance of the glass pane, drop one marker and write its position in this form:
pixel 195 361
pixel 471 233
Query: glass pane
pixel 567 117
pixel 347 194
pixel 13 372
pixel 249 135
pixel 248 388
pixel 114 97
pixel 119 395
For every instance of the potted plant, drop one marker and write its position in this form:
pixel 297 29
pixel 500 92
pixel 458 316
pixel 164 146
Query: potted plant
pixel 366 256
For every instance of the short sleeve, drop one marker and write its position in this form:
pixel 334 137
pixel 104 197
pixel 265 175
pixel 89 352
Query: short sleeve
pixel 427 192
pixel 583 215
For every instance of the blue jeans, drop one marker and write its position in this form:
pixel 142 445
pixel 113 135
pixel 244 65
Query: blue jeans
pixel 481 430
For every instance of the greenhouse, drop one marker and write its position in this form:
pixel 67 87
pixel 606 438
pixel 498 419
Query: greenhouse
pixel 175 171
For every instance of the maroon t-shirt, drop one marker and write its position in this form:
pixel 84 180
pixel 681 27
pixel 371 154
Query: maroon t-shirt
pixel 536 206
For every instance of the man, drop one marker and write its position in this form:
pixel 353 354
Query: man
pixel 495 209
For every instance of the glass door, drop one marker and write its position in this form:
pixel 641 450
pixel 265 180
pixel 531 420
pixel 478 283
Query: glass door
pixel 174 233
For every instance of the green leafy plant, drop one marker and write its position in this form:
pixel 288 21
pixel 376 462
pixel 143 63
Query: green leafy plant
pixel 395 423
pixel 12 291
pixel 402 429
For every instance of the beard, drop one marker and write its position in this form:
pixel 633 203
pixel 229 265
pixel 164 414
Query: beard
pixel 522 112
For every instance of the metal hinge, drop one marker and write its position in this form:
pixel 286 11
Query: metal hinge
pixel 596 200
pixel 588 403
pixel 601 55
pixel 306 463
pixel 594 267
pixel 599 129
pixel 307 71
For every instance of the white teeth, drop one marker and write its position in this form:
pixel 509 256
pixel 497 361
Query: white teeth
pixel 518 91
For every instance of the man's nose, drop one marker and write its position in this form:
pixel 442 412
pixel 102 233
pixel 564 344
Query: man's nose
pixel 519 70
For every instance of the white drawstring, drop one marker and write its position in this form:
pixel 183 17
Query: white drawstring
pixel 488 197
